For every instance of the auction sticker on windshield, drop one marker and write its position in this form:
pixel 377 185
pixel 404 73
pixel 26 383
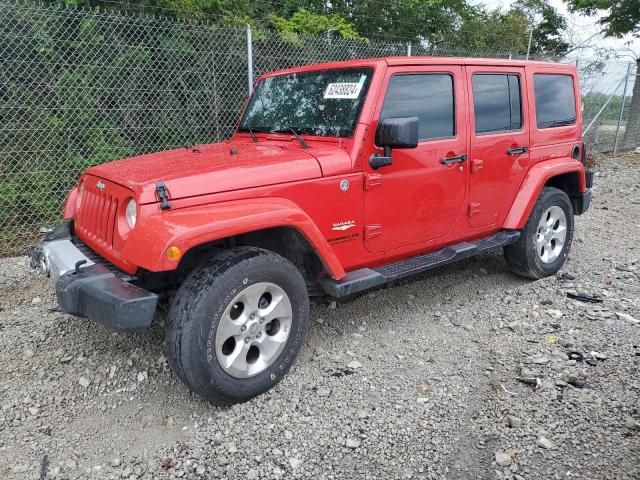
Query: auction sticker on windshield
pixel 347 90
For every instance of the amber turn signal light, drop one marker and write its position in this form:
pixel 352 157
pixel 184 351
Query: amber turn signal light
pixel 173 253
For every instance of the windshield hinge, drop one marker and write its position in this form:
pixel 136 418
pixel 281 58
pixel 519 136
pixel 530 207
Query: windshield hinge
pixel 163 196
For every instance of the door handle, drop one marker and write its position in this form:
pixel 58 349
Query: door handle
pixel 517 150
pixel 452 160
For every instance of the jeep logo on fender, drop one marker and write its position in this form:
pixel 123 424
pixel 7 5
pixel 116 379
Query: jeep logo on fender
pixel 100 186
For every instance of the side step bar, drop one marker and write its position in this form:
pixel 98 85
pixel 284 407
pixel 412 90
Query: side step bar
pixel 366 278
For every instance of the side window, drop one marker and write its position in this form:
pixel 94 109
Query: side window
pixel 497 102
pixel 555 100
pixel 427 96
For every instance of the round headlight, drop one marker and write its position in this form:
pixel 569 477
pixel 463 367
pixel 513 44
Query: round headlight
pixel 131 213
pixel 79 196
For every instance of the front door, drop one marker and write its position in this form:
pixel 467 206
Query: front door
pixel 419 197
pixel 499 156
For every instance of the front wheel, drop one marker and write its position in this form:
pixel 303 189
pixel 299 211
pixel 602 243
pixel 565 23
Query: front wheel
pixel 237 324
pixel 545 241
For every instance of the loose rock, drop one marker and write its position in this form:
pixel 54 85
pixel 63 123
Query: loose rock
pixel 544 442
pixel 503 459
pixel 352 442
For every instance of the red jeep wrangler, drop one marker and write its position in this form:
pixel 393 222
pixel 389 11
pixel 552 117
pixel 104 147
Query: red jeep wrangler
pixel 340 177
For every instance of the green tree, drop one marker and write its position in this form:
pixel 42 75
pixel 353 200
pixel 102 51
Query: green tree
pixel 304 22
pixel 487 30
pixel 548 26
pixel 491 30
pixel 441 23
pixel 619 17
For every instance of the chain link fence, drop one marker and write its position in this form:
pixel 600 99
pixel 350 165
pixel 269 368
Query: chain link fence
pixel 78 88
pixel 606 97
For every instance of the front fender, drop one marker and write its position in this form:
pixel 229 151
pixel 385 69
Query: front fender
pixel 189 227
pixel 70 204
pixel 535 180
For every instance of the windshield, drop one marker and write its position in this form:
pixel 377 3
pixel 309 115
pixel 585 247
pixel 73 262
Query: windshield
pixel 324 103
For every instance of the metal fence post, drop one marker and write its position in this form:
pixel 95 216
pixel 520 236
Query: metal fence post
pixel 408 49
pixel 624 97
pixel 530 38
pixel 603 107
pixel 249 60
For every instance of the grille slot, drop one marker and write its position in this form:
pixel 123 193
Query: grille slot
pixel 97 216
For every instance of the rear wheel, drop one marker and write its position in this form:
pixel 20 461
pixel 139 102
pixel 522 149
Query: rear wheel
pixel 237 324
pixel 545 241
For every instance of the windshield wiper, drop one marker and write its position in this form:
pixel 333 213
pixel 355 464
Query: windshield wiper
pixel 304 144
pixel 251 131
pixel 253 135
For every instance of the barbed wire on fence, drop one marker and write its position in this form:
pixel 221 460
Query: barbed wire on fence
pixel 83 87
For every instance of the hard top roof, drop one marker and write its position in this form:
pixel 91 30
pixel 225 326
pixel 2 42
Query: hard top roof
pixel 418 61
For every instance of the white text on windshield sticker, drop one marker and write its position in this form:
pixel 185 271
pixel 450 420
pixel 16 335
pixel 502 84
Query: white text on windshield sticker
pixel 347 90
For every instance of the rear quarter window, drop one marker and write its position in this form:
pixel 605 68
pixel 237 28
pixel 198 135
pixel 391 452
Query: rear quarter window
pixel 555 100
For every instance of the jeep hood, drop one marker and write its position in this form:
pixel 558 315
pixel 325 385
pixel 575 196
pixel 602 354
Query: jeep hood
pixel 227 166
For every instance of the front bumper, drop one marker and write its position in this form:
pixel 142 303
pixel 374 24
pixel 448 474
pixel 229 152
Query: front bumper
pixel 88 289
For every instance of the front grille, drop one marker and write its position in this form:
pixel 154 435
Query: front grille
pixel 97 216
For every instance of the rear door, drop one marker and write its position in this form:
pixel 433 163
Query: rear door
pixel 418 198
pixel 499 137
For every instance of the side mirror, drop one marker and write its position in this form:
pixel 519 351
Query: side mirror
pixel 398 132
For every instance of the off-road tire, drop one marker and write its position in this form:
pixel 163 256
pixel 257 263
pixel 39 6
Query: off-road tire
pixel 522 256
pixel 193 320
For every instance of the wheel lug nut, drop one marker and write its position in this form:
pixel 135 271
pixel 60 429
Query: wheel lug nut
pixel 261 320
pixel 247 340
pixel 258 335
pixel 243 328
pixel 253 315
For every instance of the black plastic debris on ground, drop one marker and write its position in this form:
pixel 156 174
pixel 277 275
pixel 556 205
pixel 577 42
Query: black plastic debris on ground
pixel 43 467
pixel 573 355
pixel 566 277
pixel 584 297
pixel 579 357
pixel 340 372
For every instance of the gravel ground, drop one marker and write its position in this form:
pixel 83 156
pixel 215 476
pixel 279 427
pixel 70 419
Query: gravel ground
pixel 462 373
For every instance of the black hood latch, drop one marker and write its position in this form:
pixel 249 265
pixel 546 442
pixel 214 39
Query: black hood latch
pixel 163 196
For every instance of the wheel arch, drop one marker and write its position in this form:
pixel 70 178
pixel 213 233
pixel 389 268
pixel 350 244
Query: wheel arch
pixel 564 174
pixel 286 241
pixel 274 224
pixel 568 182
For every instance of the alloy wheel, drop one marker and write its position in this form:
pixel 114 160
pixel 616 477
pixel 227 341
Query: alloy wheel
pixel 551 234
pixel 253 330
